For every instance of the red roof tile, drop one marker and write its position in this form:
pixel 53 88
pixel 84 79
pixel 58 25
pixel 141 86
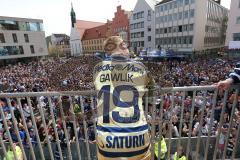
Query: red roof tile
pixel 82 25
pixel 97 32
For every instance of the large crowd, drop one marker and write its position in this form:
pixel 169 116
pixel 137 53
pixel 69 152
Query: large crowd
pixel 76 74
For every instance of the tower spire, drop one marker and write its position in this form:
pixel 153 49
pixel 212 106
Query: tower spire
pixel 73 16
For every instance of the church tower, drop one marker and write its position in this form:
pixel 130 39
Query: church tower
pixel 73 16
pixel 75 39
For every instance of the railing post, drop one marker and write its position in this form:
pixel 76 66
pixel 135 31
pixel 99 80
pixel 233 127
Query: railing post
pixel 64 127
pixel 160 127
pixel 220 124
pixel 191 121
pixel 8 133
pixel 16 128
pixel 85 129
pixel 75 127
pixel 35 128
pixel 45 129
pixel 181 120
pixel 211 123
pixel 55 128
pixel 231 121
pixel 26 128
pixel 200 126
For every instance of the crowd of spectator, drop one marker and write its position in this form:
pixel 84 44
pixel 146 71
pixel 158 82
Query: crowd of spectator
pixel 76 74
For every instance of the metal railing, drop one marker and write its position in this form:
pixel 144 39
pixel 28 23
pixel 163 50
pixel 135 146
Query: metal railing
pixel 61 125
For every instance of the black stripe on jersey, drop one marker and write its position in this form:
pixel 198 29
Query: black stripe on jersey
pixel 122 129
pixel 122 154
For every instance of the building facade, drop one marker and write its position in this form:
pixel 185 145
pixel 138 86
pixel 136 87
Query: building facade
pixel 120 24
pixel 190 25
pixel 78 28
pixel 142 26
pixel 59 43
pixel 93 38
pixel 21 38
pixel 233 31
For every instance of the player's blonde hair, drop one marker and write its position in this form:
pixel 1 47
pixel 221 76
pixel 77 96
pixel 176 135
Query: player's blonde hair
pixel 112 43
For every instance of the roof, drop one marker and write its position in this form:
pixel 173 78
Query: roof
pixel 60 35
pixel 151 3
pixel 82 25
pixel 97 32
pixel 20 19
pixel 129 13
pixel 164 1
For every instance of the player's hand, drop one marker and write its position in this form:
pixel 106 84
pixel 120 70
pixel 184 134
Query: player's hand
pixel 225 84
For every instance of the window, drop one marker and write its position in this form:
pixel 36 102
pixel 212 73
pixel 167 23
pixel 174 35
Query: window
pixel 174 29
pixel 170 17
pixel 180 2
pixel 186 14
pixel 2 39
pixel 165 7
pixel 175 4
pixel 174 40
pixel 142 14
pixel 149 38
pixel 192 1
pixel 34 26
pixel 149 12
pixel 175 16
pixel 162 19
pixel 32 49
pixel 161 30
pixel 26 38
pixel 238 20
pixel 236 36
pixel 170 5
pixel 9 25
pixel 184 28
pixel 142 34
pixel 179 28
pixel 161 8
pixel 165 30
pixel 180 16
pixel 166 18
pixel 149 15
pixel 184 40
pixel 149 28
pixel 11 50
pixel 134 16
pixel 21 49
pixel 178 40
pixel 169 29
pixel 14 38
pixel 186 2
pixel 190 27
pixel 191 13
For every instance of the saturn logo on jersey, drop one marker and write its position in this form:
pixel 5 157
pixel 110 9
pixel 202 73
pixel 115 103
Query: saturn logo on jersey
pixel 122 142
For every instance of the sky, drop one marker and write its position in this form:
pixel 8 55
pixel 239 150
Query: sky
pixel 56 13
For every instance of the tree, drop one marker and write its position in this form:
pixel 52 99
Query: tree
pixel 55 51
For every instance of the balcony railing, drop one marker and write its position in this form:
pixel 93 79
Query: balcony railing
pixel 62 125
